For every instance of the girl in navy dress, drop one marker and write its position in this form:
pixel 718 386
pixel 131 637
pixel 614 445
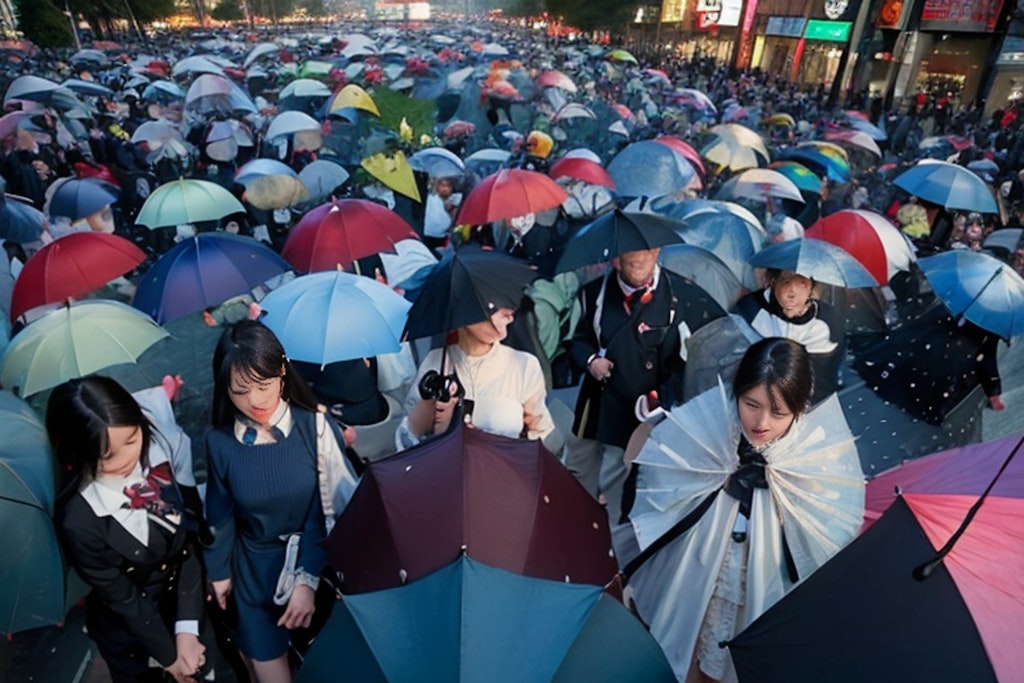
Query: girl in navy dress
pixel 267 445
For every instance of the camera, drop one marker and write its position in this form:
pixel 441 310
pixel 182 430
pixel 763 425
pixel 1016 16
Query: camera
pixel 437 387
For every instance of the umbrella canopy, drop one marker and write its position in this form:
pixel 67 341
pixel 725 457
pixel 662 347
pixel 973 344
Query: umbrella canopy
pixel 948 185
pixel 728 236
pixel 71 267
pixel 801 176
pixel 304 87
pixel 701 265
pixel 878 244
pixel 31 574
pixel 509 503
pixel 156 134
pixel 615 233
pixel 855 138
pixel 437 162
pixel 30 87
pixel 825 161
pixel 684 148
pixel 195 65
pixel 202 271
pixel 579 168
pixel 352 96
pixel 859 121
pixel 694 98
pixel 932 588
pixel 21 222
pixel 466 287
pixel 77 340
pixel 187 201
pixel 334 316
pixel 79 198
pixel 259 168
pixel 650 169
pixel 556 79
pixel 764 183
pixel 289 122
pixel 979 287
pixel 472 622
pixel 816 259
pixel 510 193
pixel 735 147
pixel 275 192
pixel 487 161
pixel 322 178
pixel 393 170
pixel 341 231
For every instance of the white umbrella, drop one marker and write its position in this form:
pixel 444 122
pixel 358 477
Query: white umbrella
pixel 261 50
pixel 304 87
pixel 290 122
pixel 30 87
pixel 762 183
pixel 192 65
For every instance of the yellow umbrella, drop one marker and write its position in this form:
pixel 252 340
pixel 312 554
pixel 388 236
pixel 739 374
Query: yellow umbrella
pixel 354 96
pixel 394 171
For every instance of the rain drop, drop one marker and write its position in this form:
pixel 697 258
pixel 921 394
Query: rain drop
pixel 403 575
pixel 546 498
pixel 408 467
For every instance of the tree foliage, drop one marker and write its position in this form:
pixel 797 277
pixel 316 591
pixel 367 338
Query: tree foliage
pixel 591 14
pixel 43 23
pixel 227 10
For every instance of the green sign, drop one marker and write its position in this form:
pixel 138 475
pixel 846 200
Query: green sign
pixel 832 31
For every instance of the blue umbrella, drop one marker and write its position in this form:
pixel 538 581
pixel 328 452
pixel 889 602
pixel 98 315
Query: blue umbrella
pixel 203 271
pixel 437 162
pixel 79 198
pixel 649 169
pixel 835 169
pixel 816 259
pixel 20 222
pixel 472 622
pixel 948 185
pixel 702 266
pixel 333 316
pixel 979 287
pixel 257 168
pixel 726 235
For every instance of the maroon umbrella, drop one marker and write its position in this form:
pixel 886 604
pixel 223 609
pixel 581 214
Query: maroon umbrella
pixel 509 503
pixel 72 266
pixel 341 231
pixel 509 193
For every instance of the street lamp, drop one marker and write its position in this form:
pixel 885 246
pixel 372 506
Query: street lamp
pixel 74 25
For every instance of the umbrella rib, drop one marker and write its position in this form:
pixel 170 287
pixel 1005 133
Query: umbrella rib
pixel 925 570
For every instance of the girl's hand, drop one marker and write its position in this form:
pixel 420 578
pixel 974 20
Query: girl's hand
pixel 300 608
pixel 191 652
pixel 221 590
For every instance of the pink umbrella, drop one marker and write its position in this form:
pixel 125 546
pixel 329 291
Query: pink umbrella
pixel 556 79
pixel 581 169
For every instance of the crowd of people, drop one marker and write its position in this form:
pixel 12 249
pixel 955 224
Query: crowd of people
pixel 285 441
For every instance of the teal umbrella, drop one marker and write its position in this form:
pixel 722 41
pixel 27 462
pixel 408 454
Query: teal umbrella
pixel 472 622
pixel 31 572
pixel 73 341
pixel 186 201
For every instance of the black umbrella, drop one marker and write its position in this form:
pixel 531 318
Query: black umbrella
pixel 864 616
pixel 467 286
pixel 615 233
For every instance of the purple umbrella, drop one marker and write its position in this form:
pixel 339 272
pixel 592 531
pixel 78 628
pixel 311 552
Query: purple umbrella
pixel 203 271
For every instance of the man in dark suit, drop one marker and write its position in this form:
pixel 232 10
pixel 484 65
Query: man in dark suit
pixel 631 340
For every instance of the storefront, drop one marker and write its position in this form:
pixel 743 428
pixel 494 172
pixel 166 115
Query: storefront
pixel 1008 83
pixel 776 43
pixel 823 46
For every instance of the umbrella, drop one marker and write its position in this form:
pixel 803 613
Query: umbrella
pixel 556 79
pixel 878 244
pixel 948 185
pixel 304 87
pixel 1009 239
pixel 816 259
pixel 260 168
pixel 701 265
pixel 15 120
pixel 694 98
pixel 860 122
pixel 684 148
pixel 573 110
pixel 485 162
pixel 437 162
pixel 509 503
pixel 782 119
pixel 322 178
pixel 979 287
pixel 77 340
pixel 472 622
pixel 195 65
pixel 32 577
pixel 334 316
pixel 932 589
pixel 985 165
pixel 203 271
pixel 156 134
pixel 579 168
pixel 763 183
pixel 21 222
pixel 393 170
pixel 615 233
pixel 800 175
pixel 824 161
pixel 342 231
pixel 289 122
pixel 71 267
pixel 78 198
pixel 161 90
pixel 275 192
pixel 650 169
pixel 855 138
pixel 212 93
pixel 260 50
pixel 507 194
pixel 466 287
pixel 90 88
pixel 30 87
pixel 735 147
pixel 187 201
pixel 621 56
pixel 353 96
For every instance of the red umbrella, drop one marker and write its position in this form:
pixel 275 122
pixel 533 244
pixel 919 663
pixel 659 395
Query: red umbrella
pixel 684 148
pixel 510 193
pixel 556 79
pixel 341 231
pixel 506 502
pixel 581 169
pixel 72 267
pixel 870 238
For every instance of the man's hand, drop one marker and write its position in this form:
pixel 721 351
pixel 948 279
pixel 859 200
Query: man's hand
pixel 600 368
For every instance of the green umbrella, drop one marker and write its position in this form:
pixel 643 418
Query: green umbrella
pixel 31 572
pixel 187 200
pixel 315 67
pixel 77 340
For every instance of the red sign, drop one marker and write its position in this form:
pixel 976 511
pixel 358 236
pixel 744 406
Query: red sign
pixel 960 15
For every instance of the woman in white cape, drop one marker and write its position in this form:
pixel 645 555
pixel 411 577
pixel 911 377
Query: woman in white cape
pixel 738 498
